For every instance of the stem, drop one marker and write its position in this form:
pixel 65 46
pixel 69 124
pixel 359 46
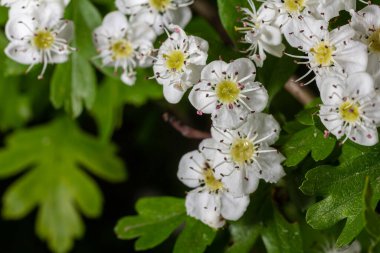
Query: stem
pixel 185 130
pixel 303 94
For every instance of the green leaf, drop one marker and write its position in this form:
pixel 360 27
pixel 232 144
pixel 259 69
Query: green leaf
pixel 306 117
pixel 113 95
pixel 74 83
pixel 3 15
pixel 53 156
pixel 15 106
pixel 157 218
pixel 243 236
pixel 308 140
pixel 343 189
pixel 279 236
pixel 229 16
pixel 194 238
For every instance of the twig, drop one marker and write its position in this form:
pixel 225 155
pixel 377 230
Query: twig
pixel 303 94
pixel 210 13
pixel 185 130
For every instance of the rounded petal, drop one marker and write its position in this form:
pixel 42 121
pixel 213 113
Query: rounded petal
pixel 332 89
pixel 130 6
pixel 364 136
pixel 188 171
pixel 172 94
pixel 240 183
pixel 271 35
pixel 233 208
pixel 226 117
pixel 263 125
pixel 214 69
pixel 256 99
pixel 23 53
pixel 352 57
pixel 244 68
pixel 128 78
pixel 204 207
pixel 360 84
pixel 180 16
pixel 332 120
pixel 20 27
pixel 201 99
pixel 268 165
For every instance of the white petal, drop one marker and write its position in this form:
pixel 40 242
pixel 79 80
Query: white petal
pixel 213 70
pixel 172 94
pixel 365 137
pixel 181 16
pixel 264 125
pixel 332 121
pixel 269 168
pixel 332 89
pixel 353 57
pixel 128 78
pixel 202 101
pixel 257 99
pixel 360 84
pixel 189 171
pixel 205 207
pixel 233 208
pixel 271 35
pixel 244 67
pixel 130 6
pixel 20 27
pixel 240 182
pixel 23 53
pixel 226 117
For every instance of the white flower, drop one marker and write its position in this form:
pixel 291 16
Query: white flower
pixel 158 13
pixel 260 33
pixel 354 247
pixel 246 155
pixel 20 7
pixel 179 63
pixel 366 23
pixel 124 44
pixel 351 107
pixel 210 201
pixel 42 37
pixel 328 9
pixel 229 92
pixel 328 52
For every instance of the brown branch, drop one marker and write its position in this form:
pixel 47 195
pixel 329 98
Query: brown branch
pixel 185 130
pixel 303 94
pixel 204 9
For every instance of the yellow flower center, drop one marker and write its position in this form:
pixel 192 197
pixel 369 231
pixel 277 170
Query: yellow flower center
pixel 44 39
pixel 121 49
pixel 374 41
pixel 294 5
pixel 211 182
pixel 159 5
pixel 227 91
pixel 242 150
pixel 349 111
pixel 323 54
pixel 175 60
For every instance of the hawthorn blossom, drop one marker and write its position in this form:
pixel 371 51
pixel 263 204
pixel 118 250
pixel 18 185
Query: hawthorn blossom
pixel 179 63
pixel 229 92
pixel 328 9
pixel 351 107
pixel 329 51
pixel 210 201
pixel 39 38
pixel 124 44
pixel 354 247
pixel 246 155
pixel 158 13
pixel 28 7
pixel 366 23
pixel 260 33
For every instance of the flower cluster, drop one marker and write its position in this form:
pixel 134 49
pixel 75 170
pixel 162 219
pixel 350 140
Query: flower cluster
pixel 227 167
pixel 125 38
pixel 344 62
pixel 37 32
